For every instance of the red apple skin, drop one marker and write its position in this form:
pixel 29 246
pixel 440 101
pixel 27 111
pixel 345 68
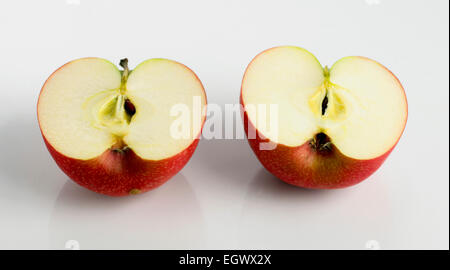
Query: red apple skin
pixel 303 166
pixel 120 174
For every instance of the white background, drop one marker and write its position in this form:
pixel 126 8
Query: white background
pixel 224 198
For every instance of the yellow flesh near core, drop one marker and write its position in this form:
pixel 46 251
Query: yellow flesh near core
pixel 366 109
pixel 81 108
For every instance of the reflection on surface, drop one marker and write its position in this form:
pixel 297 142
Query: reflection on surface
pixel 168 217
pixel 276 215
pixel 25 161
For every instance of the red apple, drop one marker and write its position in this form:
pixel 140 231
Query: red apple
pixel 110 130
pixel 335 127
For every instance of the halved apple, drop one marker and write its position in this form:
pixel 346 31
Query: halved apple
pixel 109 130
pixel 335 126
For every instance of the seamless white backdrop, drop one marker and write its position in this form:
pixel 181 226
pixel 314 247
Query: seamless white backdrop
pixel 223 198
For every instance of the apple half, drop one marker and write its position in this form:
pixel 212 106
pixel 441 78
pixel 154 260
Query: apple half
pixel 335 126
pixel 109 130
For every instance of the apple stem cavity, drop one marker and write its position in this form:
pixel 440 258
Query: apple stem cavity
pixel 120 147
pixel 321 143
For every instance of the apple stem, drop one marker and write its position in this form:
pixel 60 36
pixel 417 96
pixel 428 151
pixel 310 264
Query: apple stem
pixel 124 64
pixel 326 72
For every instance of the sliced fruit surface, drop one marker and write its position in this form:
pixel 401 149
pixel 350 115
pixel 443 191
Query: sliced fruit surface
pixel 373 108
pixel 88 106
pixel 358 104
pixel 61 107
pixel 155 87
pixel 287 77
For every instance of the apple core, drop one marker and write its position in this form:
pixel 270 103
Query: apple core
pixel 111 110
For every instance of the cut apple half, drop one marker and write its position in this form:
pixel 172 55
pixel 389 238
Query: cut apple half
pixel 357 108
pixel 90 111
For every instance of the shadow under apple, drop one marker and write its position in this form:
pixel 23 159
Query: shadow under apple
pixel 168 217
pixel 276 215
